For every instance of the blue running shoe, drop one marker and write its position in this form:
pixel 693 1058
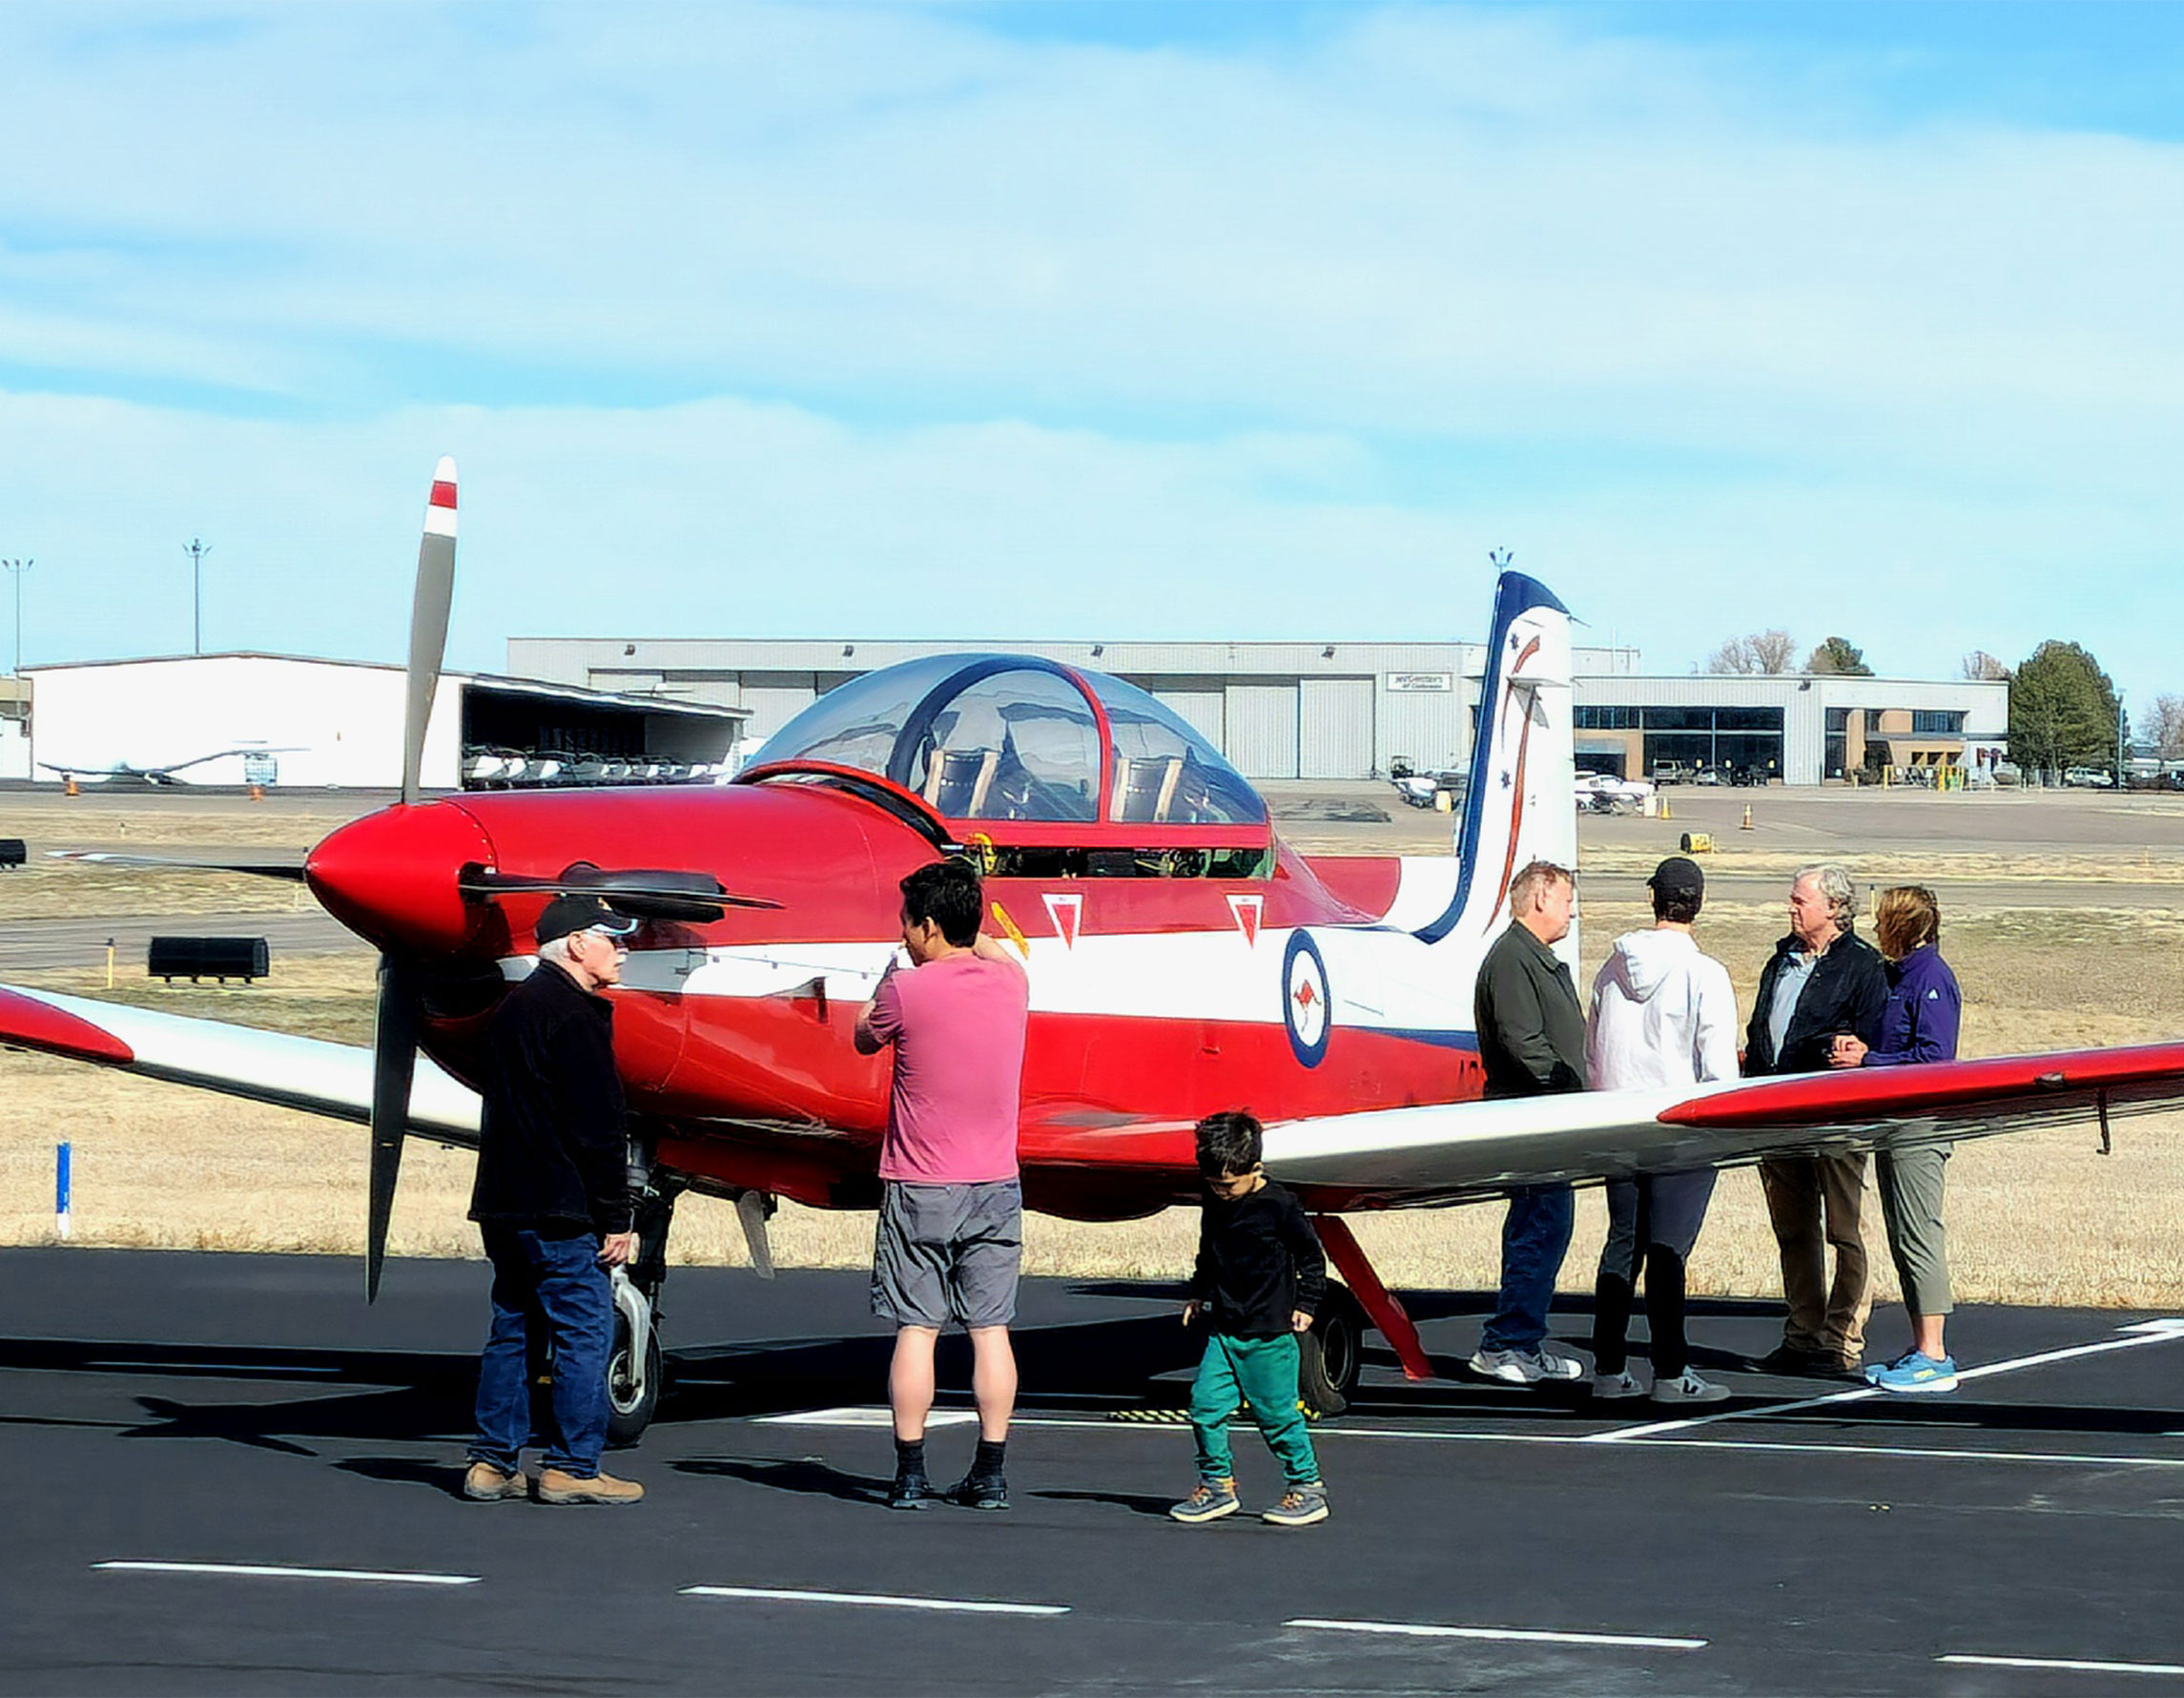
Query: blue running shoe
pixel 1914 1374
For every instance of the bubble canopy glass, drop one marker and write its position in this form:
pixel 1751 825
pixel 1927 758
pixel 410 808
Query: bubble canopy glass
pixel 1002 737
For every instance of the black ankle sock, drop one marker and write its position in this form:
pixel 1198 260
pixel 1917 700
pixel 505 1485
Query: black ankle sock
pixel 986 1464
pixel 909 1457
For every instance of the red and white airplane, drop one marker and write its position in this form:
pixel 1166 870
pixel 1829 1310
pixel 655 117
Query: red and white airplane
pixel 1182 958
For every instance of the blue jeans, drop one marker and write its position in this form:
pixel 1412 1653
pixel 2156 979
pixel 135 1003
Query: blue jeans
pixel 1535 1237
pixel 545 1287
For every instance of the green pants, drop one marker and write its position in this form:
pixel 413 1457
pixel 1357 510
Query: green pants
pixel 1263 1373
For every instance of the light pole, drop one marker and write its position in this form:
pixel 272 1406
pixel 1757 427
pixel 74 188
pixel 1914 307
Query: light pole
pixel 18 568
pixel 196 551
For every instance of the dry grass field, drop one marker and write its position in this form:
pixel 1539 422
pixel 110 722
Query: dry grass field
pixel 2032 1219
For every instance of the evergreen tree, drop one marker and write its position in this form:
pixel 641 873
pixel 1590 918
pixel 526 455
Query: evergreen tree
pixel 2063 710
pixel 1839 655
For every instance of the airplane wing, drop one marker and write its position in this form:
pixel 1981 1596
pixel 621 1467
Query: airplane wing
pixel 309 1073
pixel 1451 1152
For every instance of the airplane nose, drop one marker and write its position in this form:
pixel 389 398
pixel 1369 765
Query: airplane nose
pixel 391 875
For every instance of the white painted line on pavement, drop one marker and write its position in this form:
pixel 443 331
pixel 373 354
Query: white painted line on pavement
pixel 2067 1664
pixel 1917 1453
pixel 876 1599
pixel 2166 1331
pixel 273 1571
pixel 1525 1635
pixel 858 1416
pixel 258 1370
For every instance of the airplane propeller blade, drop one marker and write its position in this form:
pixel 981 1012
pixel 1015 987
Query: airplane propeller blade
pixel 394 1065
pixel 428 622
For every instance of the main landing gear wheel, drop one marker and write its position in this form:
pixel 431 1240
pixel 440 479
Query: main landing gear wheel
pixel 1330 1354
pixel 633 1396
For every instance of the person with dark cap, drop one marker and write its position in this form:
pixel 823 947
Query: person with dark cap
pixel 552 1203
pixel 1663 1013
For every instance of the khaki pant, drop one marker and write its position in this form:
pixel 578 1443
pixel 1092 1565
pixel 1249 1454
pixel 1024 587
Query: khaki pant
pixel 1802 1191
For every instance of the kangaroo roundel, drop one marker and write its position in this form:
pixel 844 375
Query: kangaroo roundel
pixel 1305 1006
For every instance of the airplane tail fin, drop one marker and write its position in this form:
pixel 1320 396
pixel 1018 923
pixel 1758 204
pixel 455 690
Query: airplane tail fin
pixel 1520 806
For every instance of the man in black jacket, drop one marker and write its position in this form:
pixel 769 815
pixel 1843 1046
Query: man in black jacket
pixel 1532 1043
pixel 1822 981
pixel 552 1203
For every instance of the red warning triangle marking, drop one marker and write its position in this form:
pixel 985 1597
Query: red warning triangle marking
pixel 1067 912
pixel 1246 909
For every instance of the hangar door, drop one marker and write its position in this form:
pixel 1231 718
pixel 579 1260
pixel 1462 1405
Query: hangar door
pixel 1334 728
pixel 1199 707
pixel 1262 719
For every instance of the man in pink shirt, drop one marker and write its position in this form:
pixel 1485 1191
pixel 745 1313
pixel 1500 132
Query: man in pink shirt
pixel 951 1216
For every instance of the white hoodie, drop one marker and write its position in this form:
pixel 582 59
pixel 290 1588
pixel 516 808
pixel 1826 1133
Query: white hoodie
pixel 1662 1014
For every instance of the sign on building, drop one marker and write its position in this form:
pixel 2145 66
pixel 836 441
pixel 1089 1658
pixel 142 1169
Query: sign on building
pixel 1421 681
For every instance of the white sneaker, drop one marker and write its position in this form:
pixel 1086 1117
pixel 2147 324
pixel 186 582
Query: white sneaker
pixel 1526 1367
pixel 1607 1387
pixel 1688 1388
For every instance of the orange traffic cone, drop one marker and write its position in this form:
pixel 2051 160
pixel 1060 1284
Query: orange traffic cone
pixel 70 787
pixel 1747 825
pixel 258 794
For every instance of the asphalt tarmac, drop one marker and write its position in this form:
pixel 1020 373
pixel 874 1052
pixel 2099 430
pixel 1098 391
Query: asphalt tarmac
pixel 292 1457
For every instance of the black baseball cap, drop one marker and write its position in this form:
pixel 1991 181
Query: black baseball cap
pixel 1679 876
pixel 577 911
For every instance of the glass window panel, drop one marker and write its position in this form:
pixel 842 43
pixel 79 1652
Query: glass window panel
pixel 1165 773
pixel 1019 744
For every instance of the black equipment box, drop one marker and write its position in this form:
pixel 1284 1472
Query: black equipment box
pixel 209 958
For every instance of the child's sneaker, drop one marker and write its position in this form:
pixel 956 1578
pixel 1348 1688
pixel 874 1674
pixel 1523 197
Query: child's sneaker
pixel 1300 1506
pixel 1209 1503
pixel 1914 1372
pixel 1607 1387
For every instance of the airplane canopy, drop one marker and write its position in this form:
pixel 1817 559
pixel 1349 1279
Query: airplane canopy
pixel 1011 738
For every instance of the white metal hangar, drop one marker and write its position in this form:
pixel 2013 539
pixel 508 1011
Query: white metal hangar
pixel 295 721
pixel 1350 710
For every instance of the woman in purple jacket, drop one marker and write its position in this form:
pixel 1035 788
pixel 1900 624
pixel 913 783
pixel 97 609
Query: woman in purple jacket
pixel 1920 1024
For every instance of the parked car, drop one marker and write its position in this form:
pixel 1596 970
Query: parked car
pixel 1751 776
pixel 1671 772
pixel 2089 777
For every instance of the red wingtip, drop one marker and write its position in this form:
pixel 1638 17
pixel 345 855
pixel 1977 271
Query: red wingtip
pixel 35 1024
pixel 444 483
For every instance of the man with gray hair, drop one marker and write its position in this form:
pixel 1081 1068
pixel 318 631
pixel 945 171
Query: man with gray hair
pixel 1532 1043
pixel 1822 982
pixel 552 1204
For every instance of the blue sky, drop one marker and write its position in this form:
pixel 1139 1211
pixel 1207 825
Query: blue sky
pixel 1063 319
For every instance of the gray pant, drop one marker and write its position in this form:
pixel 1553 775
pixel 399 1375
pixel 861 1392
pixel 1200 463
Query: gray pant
pixel 1912 1183
pixel 947 1252
pixel 1674 1210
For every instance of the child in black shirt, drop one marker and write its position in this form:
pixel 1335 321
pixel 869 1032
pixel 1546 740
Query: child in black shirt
pixel 1260 1276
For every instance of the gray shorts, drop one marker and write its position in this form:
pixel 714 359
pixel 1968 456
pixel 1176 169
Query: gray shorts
pixel 948 1252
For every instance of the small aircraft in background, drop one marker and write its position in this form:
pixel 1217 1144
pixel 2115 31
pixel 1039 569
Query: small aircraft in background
pixel 149 774
pixel 1182 958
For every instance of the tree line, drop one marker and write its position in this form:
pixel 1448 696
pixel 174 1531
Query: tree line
pixel 2064 708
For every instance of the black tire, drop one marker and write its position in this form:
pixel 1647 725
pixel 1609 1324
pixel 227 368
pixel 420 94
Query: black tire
pixel 630 1413
pixel 1330 1354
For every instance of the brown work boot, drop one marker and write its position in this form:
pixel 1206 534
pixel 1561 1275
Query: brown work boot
pixel 558 1487
pixel 487 1483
